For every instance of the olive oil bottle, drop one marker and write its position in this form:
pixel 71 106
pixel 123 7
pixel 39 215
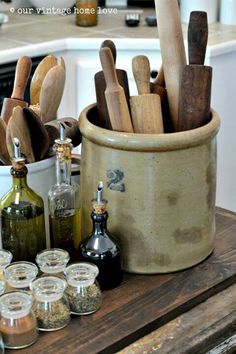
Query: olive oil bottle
pixel 64 203
pixel 22 214
pixel 101 248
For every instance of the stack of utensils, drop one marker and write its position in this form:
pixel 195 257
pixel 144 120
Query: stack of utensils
pixel 35 123
pixel 179 99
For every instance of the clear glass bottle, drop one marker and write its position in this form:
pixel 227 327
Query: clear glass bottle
pixel 100 247
pixel 86 12
pixel 18 324
pixel 22 214
pixel 53 261
pixel 5 260
pixel 83 291
pixel 51 306
pixel 64 202
pixel 19 275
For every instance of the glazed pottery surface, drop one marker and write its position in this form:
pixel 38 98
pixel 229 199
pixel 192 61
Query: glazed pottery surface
pixel 160 190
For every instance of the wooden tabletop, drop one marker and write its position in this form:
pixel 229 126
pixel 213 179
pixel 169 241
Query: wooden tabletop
pixel 146 310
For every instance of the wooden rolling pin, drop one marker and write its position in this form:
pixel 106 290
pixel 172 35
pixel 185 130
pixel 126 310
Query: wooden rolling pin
pixel 172 50
pixel 115 96
pixel 23 68
pixel 146 107
pixel 100 87
pixel 196 78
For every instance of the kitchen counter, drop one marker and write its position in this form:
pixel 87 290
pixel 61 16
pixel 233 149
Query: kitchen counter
pixel 34 34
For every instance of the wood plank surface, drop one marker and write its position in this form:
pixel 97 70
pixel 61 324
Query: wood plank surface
pixel 143 303
pixel 206 328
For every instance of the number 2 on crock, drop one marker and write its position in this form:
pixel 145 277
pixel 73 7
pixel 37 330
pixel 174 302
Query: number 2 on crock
pixel 115 178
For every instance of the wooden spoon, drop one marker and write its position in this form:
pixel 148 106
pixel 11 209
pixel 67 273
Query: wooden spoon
pixel 51 93
pixel 18 128
pixel 38 133
pixel 4 155
pixel 71 130
pixel 40 72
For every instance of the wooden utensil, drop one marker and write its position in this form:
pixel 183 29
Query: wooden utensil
pixel 158 85
pixel 38 133
pixel 195 95
pixel 172 50
pixel 23 68
pixel 51 93
pixel 4 155
pixel 146 107
pixel 197 37
pixel 100 87
pixel 18 128
pixel 71 130
pixel 37 79
pixel 115 97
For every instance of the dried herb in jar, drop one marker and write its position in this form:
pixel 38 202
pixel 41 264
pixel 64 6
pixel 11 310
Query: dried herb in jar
pixel 51 315
pixel 84 300
pixel 50 306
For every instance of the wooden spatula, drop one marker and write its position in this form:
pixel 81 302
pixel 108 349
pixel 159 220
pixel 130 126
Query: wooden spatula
pixel 4 155
pixel 22 73
pixel 172 50
pixel 18 128
pixel 37 79
pixel 51 93
pixel 100 87
pixel 38 133
pixel 115 97
pixel 146 107
pixel 195 95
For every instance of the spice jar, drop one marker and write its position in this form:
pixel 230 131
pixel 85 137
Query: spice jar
pixel 86 12
pixel 83 291
pixel 53 261
pixel 5 260
pixel 50 306
pixel 19 275
pixel 18 324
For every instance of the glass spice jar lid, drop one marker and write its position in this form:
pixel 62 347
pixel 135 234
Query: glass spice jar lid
pixel 15 304
pixel 20 274
pixel 53 260
pixel 5 258
pixel 81 273
pixel 48 288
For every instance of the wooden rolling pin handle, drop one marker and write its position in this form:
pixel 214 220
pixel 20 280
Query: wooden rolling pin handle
pixel 141 72
pixel 108 66
pixel 197 37
pixel 109 44
pixel 23 68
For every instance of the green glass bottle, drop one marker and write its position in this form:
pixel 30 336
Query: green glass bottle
pixel 64 202
pixel 22 214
